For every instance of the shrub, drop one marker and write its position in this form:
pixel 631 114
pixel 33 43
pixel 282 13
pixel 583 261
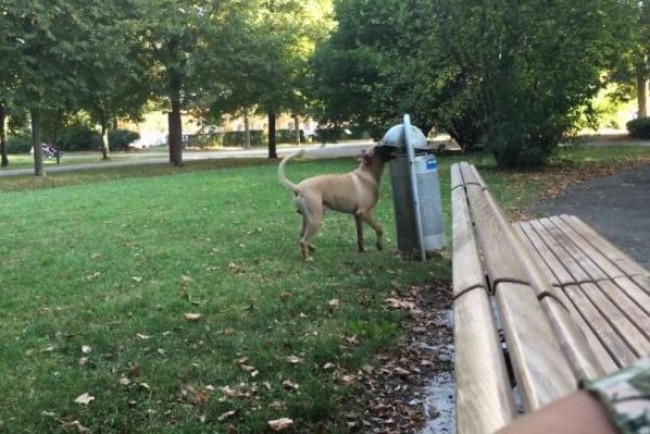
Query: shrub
pixel 328 133
pixel 285 136
pixel 119 140
pixel 203 141
pixel 78 138
pixel 236 138
pixel 639 128
pixel 19 144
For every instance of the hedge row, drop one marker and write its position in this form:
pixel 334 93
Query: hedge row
pixel 75 138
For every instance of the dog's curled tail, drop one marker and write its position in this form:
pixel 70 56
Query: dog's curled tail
pixel 282 177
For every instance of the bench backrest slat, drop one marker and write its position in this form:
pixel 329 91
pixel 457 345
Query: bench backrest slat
pixel 483 399
pixel 467 270
pixel 542 371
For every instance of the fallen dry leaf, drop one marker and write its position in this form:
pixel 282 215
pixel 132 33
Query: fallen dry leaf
pixel 280 424
pixel 192 316
pixel 226 415
pixel 289 385
pixel 84 399
pixel 294 360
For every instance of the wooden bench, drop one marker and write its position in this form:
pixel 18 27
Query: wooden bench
pixel 538 305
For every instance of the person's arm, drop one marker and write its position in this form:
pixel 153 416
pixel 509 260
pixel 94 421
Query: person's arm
pixel 617 403
pixel 577 413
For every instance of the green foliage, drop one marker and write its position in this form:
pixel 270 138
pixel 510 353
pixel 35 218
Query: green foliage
pixel 19 144
pixel 285 135
pixel 78 138
pixel 238 138
pixel 508 76
pixel 639 128
pixel 119 140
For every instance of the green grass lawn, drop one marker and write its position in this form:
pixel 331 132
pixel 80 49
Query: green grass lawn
pixel 97 279
pixel 101 269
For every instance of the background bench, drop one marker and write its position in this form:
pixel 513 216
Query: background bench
pixel 538 305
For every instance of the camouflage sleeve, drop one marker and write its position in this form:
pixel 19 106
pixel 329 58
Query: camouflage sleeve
pixel 626 395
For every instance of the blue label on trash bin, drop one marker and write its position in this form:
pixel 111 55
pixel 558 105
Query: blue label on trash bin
pixel 432 164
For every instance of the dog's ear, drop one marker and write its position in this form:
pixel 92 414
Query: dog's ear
pixel 365 156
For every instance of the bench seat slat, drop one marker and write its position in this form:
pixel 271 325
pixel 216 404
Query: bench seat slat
pixel 632 312
pixel 636 293
pixel 643 282
pixel 552 267
pixel 583 241
pixel 622 260
pixel 617 348
pixel 575 272
pixel 606 361
pixel 585 262
pixel 483 401
pixel 627 329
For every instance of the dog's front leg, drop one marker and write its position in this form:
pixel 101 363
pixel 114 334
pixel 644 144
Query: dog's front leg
pixel 359 224
pixel 367 217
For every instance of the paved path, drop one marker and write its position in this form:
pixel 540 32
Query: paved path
pixel 161 157
pixel 617 206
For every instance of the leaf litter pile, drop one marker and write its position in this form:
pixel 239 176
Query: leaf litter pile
pixel 393 393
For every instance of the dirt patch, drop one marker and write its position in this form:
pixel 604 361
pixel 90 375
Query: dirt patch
pixel 397 394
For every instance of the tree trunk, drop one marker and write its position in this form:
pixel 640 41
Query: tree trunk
pixel 105 149
pixel 175 125
pixel 642 91
pixel 105 146
pixel 3 136
pixel 272 141
pixel 247 132
pixel 296 122
pixel 39 170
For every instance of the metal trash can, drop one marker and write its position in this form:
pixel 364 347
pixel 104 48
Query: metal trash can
pixel 416 191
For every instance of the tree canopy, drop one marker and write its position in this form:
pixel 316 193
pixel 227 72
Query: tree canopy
pixel 513 77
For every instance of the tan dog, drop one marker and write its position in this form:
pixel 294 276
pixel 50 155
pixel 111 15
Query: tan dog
pixel 355 193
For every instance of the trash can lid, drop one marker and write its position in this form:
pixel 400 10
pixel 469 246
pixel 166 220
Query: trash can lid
pixel 395 137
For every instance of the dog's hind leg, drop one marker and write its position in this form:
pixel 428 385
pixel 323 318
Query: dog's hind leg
pixel 312 216
pixel 302 234
pixel 310 228
pixel 366 216
pixel 359 225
